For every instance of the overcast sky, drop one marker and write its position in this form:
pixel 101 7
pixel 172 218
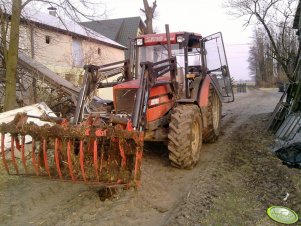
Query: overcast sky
pixel 200 16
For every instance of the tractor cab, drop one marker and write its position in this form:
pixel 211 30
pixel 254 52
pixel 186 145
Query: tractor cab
pixel 195 57
pixel 154 48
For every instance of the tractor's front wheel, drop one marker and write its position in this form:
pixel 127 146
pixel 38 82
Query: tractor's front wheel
pixel 185 136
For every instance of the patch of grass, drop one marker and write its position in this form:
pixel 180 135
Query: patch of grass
pixel 234 207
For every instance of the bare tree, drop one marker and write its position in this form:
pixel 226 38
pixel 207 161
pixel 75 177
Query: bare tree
pixel 12 57
pixel 266 70
pixel 149 12
pixel 276 18
pixel 256 58
pixel 10 16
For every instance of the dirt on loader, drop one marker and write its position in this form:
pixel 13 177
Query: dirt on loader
pixel 236 180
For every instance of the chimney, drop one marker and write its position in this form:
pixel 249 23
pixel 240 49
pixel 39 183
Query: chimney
pixel 52 11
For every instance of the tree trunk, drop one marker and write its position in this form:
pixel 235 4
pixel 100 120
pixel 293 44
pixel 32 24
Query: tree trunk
pixel 12 57
pixel 149 15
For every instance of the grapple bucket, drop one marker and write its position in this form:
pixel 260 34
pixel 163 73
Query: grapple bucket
pixel 88 152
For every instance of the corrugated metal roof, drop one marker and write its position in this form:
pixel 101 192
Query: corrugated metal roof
pixel 109 28
pixel 128 30
pixel 68 26
pixel 290 127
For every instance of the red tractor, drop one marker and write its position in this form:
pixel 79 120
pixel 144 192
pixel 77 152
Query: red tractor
pixel 170 90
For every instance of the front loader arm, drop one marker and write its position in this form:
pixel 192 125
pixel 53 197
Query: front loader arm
pixel 146 81
pixel 149 74
pixel 93 77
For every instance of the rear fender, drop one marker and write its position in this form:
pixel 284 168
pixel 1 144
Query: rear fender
pixel 200 95
pixel 203 91
pixel 194 101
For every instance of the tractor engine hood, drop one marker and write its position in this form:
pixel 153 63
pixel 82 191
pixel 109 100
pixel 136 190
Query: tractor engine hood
pixel 133 84
pixel 159 103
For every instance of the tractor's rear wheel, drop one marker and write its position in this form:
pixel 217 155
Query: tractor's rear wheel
pixel 213 116
pixel 185 136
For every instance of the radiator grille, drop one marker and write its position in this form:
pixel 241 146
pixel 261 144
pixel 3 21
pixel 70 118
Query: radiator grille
pixel 125 100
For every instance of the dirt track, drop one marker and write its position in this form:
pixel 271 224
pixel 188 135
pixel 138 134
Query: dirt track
pixel 235 181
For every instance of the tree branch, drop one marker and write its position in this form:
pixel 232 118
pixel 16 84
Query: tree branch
pixel 25 3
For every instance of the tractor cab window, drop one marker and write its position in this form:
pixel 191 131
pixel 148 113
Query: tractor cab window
pixel 153 53
pixel 194 57
pixel 158 53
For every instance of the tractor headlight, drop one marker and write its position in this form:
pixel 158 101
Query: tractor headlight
pixel 180 38
pixel 139 41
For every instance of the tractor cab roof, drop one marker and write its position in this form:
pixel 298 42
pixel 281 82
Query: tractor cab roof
pixel 175 37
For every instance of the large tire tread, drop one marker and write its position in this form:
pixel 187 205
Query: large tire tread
pixel 210 133
pixel 179 141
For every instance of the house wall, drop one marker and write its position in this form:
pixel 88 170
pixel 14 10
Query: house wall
pixel 106 55
pixel 24 41
pixel 57 53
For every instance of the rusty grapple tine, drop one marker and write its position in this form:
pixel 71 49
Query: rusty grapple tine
pixel 95 159
pixel 12 150
pixel 45 157
pixel 3 153
pixel 82 159
pixel 23 154
pixel 56 157
pixel 138 162
pixel 70 160
pixel 122 153
pixel 33 157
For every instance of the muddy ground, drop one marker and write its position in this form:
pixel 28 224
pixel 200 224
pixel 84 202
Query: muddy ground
pixel 236 180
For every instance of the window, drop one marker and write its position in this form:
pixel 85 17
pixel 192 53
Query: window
pixel 47 39
pixel 77 53
pixel 99 51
